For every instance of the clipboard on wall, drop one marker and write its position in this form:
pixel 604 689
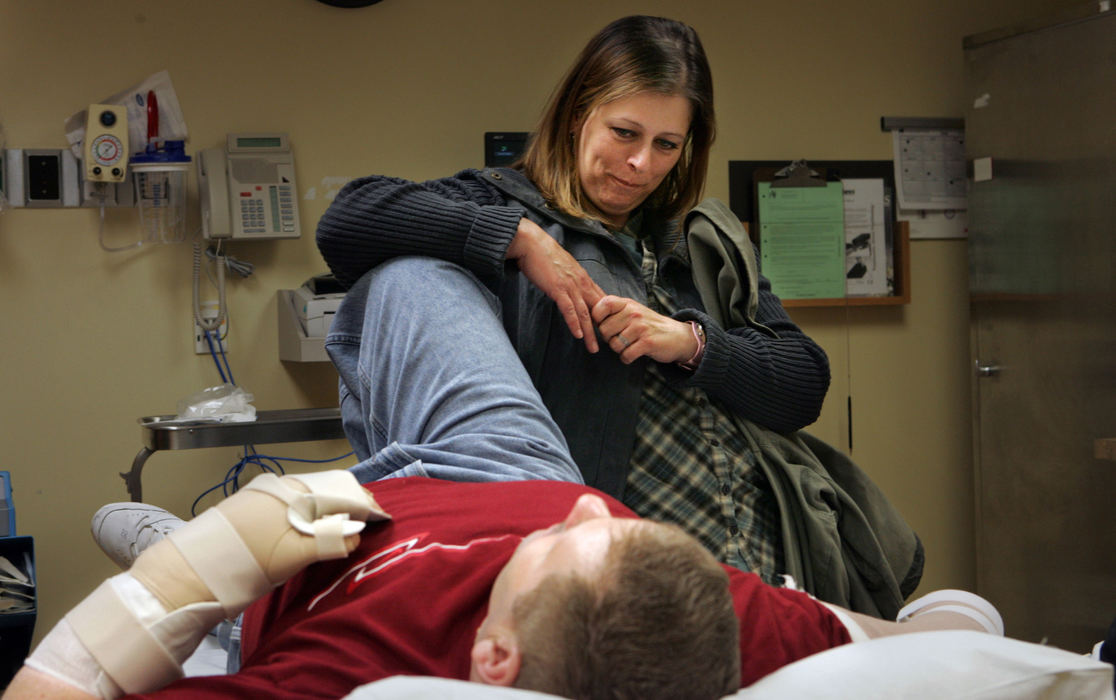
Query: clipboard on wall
pixel 887 281
pixel 800 218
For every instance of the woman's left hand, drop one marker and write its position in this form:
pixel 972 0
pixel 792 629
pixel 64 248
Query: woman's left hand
pixel 552 269
pixel 632 331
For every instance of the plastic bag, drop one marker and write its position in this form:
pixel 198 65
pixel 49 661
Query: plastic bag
pixel 172 125
pixel 226 403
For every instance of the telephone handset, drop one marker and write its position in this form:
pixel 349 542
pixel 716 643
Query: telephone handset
pixel 248 188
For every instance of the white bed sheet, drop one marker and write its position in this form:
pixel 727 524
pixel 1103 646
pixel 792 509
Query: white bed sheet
pixel 957 664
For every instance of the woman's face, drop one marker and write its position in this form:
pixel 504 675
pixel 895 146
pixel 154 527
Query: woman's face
pixel 626 147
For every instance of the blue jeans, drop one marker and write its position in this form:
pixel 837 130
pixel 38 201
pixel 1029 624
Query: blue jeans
pixel 431 386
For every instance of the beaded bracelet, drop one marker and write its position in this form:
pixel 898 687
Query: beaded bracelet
pixel 699 336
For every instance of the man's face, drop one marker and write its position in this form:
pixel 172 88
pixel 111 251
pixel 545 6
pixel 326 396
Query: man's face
pixel 578 544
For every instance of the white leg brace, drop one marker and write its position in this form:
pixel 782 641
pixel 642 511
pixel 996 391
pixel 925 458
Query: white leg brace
pixel 133 632
pixel 964 603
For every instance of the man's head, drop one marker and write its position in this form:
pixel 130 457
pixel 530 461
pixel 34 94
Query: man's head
pixel 597 606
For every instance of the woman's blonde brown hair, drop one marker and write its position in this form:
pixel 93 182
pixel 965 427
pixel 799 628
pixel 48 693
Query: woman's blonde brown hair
pixel 631 55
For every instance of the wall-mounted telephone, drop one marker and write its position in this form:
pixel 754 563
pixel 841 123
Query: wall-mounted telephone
pixel 248 188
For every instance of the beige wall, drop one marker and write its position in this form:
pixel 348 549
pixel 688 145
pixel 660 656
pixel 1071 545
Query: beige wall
pixel 92 340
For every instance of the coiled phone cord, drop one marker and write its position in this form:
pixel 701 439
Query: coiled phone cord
pixel 214 323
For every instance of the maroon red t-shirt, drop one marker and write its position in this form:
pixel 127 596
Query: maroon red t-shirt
pixel 409 599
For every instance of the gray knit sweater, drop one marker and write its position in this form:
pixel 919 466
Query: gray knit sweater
pixel 470 219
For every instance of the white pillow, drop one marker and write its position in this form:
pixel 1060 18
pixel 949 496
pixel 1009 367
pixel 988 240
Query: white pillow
pixel 430 688
pixel 955 664
pixel 941 664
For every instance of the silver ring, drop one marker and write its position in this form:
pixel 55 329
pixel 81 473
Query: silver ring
pixel 623 340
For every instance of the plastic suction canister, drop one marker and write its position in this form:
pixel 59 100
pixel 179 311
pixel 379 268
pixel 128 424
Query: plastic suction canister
pixel 160 178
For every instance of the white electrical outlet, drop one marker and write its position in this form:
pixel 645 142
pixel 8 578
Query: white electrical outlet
pixel 219 337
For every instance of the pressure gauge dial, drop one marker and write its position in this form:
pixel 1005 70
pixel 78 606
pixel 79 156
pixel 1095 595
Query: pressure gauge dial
pixel 107 150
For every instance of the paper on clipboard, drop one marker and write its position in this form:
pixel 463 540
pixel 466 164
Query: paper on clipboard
pixel 866 250
pixel 802 240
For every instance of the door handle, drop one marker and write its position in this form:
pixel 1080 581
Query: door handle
pixel 983 370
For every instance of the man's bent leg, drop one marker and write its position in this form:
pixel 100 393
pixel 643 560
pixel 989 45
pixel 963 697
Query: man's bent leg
pixel 431 385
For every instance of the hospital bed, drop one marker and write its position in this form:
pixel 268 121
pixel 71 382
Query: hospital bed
pixel 927 665
pixel 953 664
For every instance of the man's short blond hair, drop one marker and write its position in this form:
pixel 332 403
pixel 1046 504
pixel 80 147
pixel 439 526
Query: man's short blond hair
pixel 656 622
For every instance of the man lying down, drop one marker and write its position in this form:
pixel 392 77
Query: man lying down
pixel 537 584
pixel 496 563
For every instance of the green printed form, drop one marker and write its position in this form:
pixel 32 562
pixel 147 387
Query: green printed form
pixel 802 240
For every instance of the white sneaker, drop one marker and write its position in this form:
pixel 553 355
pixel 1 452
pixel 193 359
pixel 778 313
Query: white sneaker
pixel 123 530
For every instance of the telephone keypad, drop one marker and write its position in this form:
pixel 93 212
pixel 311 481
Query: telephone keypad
pixel 252 215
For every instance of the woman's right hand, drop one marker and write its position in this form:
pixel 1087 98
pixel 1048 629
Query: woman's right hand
pixel 562 278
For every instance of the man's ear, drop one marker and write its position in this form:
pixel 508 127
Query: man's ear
pixel 496 660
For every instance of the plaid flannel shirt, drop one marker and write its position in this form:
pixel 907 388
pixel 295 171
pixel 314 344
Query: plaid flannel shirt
pixel 691 466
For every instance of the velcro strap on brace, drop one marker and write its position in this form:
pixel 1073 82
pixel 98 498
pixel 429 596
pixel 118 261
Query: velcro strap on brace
pixel 336 507
pixel 124 647
pixel 220 558
pixel 329 534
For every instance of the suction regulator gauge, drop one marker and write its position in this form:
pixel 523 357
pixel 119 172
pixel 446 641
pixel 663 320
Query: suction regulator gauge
pixel 107 150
